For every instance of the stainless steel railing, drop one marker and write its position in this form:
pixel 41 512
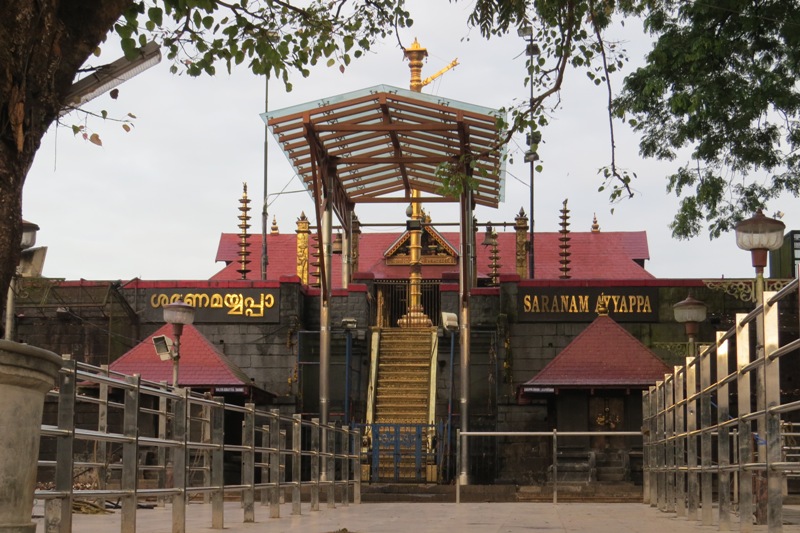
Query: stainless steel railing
pixel 121 438
pixel 739 408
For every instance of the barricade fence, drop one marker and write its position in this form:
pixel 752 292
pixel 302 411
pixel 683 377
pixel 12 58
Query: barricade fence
pixel 121 440
pixel 557 447
pixel 717 426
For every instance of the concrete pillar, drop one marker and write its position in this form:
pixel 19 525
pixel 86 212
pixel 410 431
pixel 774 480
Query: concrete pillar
pixel 26 374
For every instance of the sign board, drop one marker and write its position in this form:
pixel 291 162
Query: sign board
pixel 583 304
pixel 218 305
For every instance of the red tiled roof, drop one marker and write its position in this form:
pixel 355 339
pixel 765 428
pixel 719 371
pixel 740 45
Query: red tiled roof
pixel 603 355
pixel 600 255
pixel 201 365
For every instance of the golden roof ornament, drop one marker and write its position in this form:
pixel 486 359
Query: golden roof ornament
pixel 601 308
pixel 565 238
pixel 595 225
pixel 274 229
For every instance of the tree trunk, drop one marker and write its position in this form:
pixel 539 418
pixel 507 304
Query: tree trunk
pixel 42 46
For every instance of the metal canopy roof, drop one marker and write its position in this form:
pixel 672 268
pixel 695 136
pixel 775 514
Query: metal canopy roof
pixel 382 142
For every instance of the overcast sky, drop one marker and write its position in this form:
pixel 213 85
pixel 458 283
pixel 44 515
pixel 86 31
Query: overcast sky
pixel 152 203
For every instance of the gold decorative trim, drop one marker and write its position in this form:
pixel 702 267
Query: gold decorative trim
pixel 743 289
pixel 675 348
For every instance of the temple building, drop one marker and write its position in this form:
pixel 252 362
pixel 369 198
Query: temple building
pixel 415 332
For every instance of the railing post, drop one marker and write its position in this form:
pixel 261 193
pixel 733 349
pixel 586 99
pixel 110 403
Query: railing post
pixel 58 512
pixel 248 462
pixel 180 453
pixel 296 456
pixel 669 442
pixel 660 447
pixel 691 437
pixel 101 446
pixel 653 455
pixel 130 455
pixel 355 443
pixel 344 438
pixel 555 465
pixel 161 453
pixel 707 495
pixel 646 437
pixel 205 430
pixel 275 464
pixel 723 437
pixel 330 465
pixel 743 393
pixel 679 378
pixel 218 463
pixel 772 382
pixel 284 461
pixel 458 464
pixel 315 460
pixel 265 455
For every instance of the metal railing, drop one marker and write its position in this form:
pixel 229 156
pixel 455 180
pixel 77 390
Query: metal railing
pixel 554 436
pixel 754 446
pixel 120 439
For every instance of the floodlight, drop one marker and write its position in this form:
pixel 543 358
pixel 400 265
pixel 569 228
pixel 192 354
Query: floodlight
pixel 449 321
pixel 349 323
pixel 163 346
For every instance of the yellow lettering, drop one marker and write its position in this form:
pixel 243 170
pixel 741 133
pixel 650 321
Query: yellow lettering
pixel 565 303
pixel 623 305
pixel 647 308
pixel 545 303
pixel 584 304
pixel 573 305
pixel 535 305
pixel 158 300
pixel 197 300
pixel 234 303
pixel 269 300
pixel 526 303
pixel 216 301
pixel 615 299
pixel 632 303
pixel 554 306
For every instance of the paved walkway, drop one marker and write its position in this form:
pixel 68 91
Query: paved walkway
pixel 426 518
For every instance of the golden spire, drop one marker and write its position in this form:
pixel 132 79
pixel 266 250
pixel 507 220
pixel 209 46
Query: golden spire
pixel 274 229
pixel 565 253
pixel 415 55
pixel 244 245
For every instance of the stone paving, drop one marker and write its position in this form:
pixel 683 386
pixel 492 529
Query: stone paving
pixel 425 518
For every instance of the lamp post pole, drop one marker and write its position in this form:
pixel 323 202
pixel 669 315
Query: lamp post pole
pixel 179 314
pixel 760 234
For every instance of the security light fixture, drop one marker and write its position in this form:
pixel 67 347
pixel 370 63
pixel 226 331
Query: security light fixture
pixel 449 321
pixel 163 346
pixel 349 323
pixel 29 230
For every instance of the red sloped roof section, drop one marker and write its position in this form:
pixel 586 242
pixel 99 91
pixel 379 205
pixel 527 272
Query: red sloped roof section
pixel 200 363
pixel 600 255
pixel 603 355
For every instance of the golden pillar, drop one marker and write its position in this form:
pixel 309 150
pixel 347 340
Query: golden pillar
pixel 415 315
pixel 303 233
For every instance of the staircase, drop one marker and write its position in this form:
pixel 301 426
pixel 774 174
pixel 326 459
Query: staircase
pixel 401 398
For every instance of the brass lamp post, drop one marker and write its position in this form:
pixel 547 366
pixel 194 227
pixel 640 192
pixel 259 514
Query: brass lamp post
pixel 178 314
pixel 690 312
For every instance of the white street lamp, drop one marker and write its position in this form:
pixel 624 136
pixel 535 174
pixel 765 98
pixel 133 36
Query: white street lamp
pixel 178 314
pixel 759 234
pixel 690 312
